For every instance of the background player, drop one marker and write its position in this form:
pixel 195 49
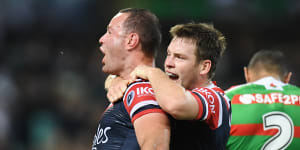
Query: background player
pixel 200 112
pixel 136 122
pixel 265 110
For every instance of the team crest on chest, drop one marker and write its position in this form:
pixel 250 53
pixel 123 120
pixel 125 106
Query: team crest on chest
pixel 130 97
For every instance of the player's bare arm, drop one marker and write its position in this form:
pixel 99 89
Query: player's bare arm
pixel 153 131
pixel 172 97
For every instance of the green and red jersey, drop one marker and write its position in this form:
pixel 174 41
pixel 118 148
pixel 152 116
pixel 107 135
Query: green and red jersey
pixel 265 115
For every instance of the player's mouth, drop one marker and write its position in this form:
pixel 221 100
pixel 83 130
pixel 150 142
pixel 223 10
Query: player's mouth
pixel 172 76
pixel 103 59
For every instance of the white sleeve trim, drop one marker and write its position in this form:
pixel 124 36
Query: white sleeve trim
pixel 142 104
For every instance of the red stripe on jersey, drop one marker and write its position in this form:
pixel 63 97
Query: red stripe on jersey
pixel 142 92
pixel 213 106
pixel 257 129
pixel 155 110
pixel 222 93
pixel 297 131
pixel 235 99
pixel 251 129
pixel 200 106
pixel 218 90
pixel 139 95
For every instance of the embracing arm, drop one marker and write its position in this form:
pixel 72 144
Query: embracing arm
pixel 171 97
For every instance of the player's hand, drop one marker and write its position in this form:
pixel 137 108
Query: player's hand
pixel 116 89
pixel 140 71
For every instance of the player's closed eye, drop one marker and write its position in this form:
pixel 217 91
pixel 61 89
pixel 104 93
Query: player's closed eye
pixel 181 57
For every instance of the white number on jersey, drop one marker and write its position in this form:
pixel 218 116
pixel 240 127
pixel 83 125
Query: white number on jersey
pixel 284 124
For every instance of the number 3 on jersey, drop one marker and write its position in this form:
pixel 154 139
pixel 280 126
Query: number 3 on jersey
pixel 284 124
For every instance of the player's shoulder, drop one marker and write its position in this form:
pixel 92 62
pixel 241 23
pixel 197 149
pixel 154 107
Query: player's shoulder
pixel 236 88
pixel 210 88
pixel 139 99
pixel 139 90
pixel 206 91
pixel 292 87
pixel 139 85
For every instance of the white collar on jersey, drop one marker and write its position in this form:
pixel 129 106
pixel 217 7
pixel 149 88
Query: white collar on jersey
pixel 270 83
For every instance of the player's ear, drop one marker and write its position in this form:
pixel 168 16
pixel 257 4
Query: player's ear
pixel 287 78
pixel 246 74
pixel 205 66
pixel 132 41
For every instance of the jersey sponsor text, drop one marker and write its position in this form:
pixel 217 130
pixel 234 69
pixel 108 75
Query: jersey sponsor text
pixel 267 99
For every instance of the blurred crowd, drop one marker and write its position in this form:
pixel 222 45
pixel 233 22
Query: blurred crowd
pixel 51 84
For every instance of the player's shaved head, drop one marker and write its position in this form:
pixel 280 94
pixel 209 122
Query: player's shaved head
pixel 272 62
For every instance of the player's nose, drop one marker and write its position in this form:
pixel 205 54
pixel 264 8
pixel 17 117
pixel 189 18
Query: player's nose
pixel 101 40
pixel 169 62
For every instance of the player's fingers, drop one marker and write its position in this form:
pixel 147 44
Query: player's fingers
pixel 131 81
pixel 118 96
pixel 123 87
pixel 133 75
pixel 115 96
pixel 109 97
pixel 112 95
pixel 121 91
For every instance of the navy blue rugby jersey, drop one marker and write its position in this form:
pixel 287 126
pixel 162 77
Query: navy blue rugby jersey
pixel 210 130
pixel 115 130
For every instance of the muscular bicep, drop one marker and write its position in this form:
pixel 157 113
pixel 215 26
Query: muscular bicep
pixel 153 131
pixel 190 109
pixel 185 108
pixel 151 124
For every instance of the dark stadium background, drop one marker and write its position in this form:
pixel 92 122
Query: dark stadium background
pixel 51 84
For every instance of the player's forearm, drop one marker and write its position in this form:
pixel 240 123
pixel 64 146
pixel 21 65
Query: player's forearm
pixel 171 97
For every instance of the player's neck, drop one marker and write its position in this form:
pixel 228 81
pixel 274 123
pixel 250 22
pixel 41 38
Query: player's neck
pixel 199 83
pixel 262 74
pixel 135 60
pixel 204 83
